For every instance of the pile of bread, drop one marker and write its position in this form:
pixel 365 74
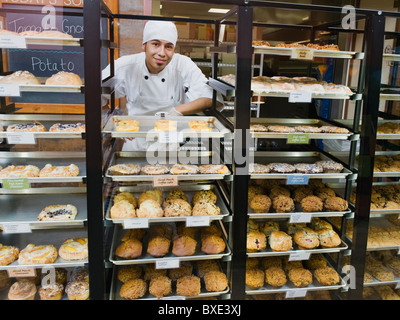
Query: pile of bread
pixel 315 46
pixel 319 233
pixel 297 129
pixel 389 127
pixel 32 171
pixel 189 280
pixel 74 283
pixel 152 204
pixel 264 85
pixel 61 78
pixel 275 272
pixel 164 239
pixel 382 197
pixel 273 196
pixel 385 163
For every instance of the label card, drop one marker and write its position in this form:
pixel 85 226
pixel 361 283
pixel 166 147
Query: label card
pixel 167 264
pixel 302 54
pixel 21 272
pixel 9 90
pixel 170 137
pixel 12 41
pixel 298 138
pixel 136 223
pixel 197 221
pixel 300 97
pixel 300 217
pixel 298 179
pixel 20 138
pixel 299 255
pixel 17 183
pixel 17 228
pixel 167 181
pixel 296 293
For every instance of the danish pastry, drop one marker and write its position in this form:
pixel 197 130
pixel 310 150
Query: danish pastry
pixel 127 125
pixel 184 169
pixel 51 292
pixel 59 212
pixel 165 125
pixel 8 254
pixel 214 169
pixel 20 171
pixel 154 169
pixel 68 127
pixel 27 127
pixel 124 169
pixel 74 249
pixel 63 78
pixel 37 254
pixel 49 170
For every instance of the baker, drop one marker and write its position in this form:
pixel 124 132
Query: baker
pixel 160 80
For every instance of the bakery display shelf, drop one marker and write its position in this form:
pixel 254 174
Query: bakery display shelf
pixel 147 258
pixel 43 237
pixel 293 123
pixel 40 159
pixel 376 282
pixel 189 190
pixel 148 123
pixel 265 157
pixel 391 57
pixel 117 284
pixel 139 158
pixel 25 208
pixel 45 119
pixel 47 41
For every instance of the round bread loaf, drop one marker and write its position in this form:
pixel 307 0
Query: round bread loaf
pixel 64 78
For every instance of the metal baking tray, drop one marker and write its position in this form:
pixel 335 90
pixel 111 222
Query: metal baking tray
pixel 147 124
pixel 147 258
pixel 391 57
pixel 293 123
pixel 139 158
pixel 24 208
pixel 40 159
pixel 54 237
pixel 116 288
pixel 46 120
pixel 379 136
pixel 376 282
pixel 265 157
pixel 189 190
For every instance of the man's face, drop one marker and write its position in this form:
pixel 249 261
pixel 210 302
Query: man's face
pixel 158 54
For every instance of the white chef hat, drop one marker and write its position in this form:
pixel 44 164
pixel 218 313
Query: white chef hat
pixel 160 30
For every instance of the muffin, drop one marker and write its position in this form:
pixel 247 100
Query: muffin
pixel 128 272
pixel 268 227
pixel 160 286
pixel 188 286
pixel 326 276
pixel 215 281
pixel 300 277
pixel 260 203
pixel 133 289
pixel 336 204
pixel 275 276
pixel 254 278
pixel 283 204
pixel 277 191
pixel 325 193
pixel 301 192
pixel 312 204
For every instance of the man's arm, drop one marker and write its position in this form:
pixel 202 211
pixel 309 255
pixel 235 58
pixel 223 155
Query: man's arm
pixel 195 106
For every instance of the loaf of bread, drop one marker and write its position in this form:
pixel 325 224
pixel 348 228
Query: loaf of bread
pixel 64 78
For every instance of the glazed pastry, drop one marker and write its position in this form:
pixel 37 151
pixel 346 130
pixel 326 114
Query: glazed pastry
pixel 154 169
pixel 8 254
pixel 22 290
pixel 213 169
pixel 20 171
pixel 27 127
pixel 67 127
pixel 77 290
pixel 74 249
pixel 124 169
pixel 59 171
pixel 184 169
pixel 37 254
pixel 58 212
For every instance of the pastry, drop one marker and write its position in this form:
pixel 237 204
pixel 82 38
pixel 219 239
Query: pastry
pixel 308 168
pixel 199 125
pixel 335 204
pixel 326 276
pixel 213 169
pixel 177 208
pixel 54 34
pixel 64 78
pixel 160 286
pixel 128 272
pixel 316 261
pixel 260 203
pixel 154 169
pixel 277 191
pixel 184 169
pixel 328 238
pixel 268 227
pixel 5 280
pixel 22 290
pixel 258 168
pixel 8 32
pixel 149 209
pixel 127 196
pixel 301 192
pixel 8 254
pixel 185 269
pixel 177 194
pixel 127 125
pixel 312 204
pixel 280 129
pixel 300 277
pixel 133 289
pixel 212 244
pixel 306 239
pixel 80 274
pixel 330 166
pixel 21 78
pixel 58 212
pixel 333 129
pixel 254 278
pixel 59 171
pixel 280 241
pixel 188 286
pixel 51 292
pixel 151 272
pixel 27 127
pixel 122 210
pixel 29 33
pixel 155 194
pixel 260 43
pixel 204 196
pixel 205 266
pixel 68 127
pixel 184 242
pixel 37 254
pixel 124 169
pixel 131 246
pixel 215 281
pixel 282 168
pixel 256 241
pixel 74 249
pixel 159 240
pixel 165 125
pixel 308 129
pixel 258 128
pixel 292 228
pixel 283 204
pixel 61 275
pixel 205 209
pixel 275 276
pixel 20 171
pixel 77 290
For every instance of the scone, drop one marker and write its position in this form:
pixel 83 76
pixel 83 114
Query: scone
pixel 328 238
pixel 326 276
pixel 280 241
pixel 177 194
pixel 204 196
pixel 37 254
pixel 335 204
pixel 133 289
pixel 155 194
pixel 254 278
pixel 22 290
pixel 177 208
pixel 300 277
pixel 125 195
pixel 312 204
pixel 149 209
pixel 74 249
pixel 275 276
pixel 58 212
pixel 215 281
pixel 8 254
pixel 205 209
pixel 64 78
pixel 128 272
pixel 188 286
pixel 306 238
pixel 260 203
pixel 160 286
pixel 256 241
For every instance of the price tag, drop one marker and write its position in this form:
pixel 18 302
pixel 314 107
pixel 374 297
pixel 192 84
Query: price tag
pixel 300 217
pixel 20 138
pixel 167 181
pixel 197 221
pixel 9 90
pixel 21 272
pixel 297 179
pixel 299 255
pixel 167 264
pixel 173 298
pixel 298 138
pixel 170 137
pixel 17 228
pixel 300 97
pixel 17 183
pixel 302 54
pixel 12 41
pixel 296 293
pixel 136 223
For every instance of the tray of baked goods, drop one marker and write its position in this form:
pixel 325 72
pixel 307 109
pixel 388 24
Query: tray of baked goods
pixel 282 165
pixel 41 167
pixel 168 243
pixel 173 129
pixel 197 279
pixel 42 248
pixel 297 89
pixel 291 128
pixel 15 126
pixel 194 204
pixel 272 199
pixel 293 277
pixel 182 165
pixel 296 240
pixel 47 208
